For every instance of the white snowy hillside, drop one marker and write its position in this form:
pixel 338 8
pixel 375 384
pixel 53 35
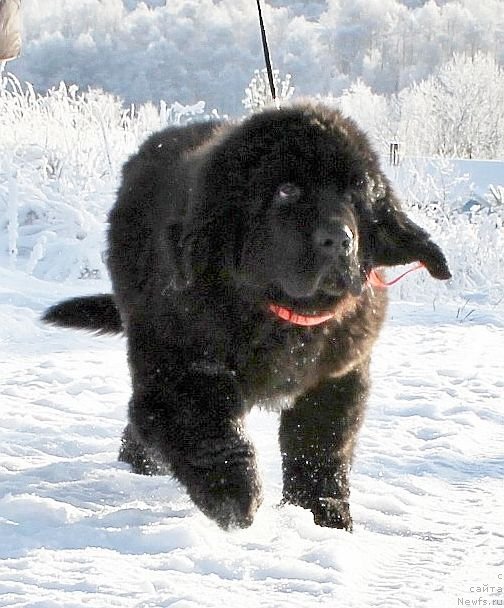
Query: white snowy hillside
pixel 78 529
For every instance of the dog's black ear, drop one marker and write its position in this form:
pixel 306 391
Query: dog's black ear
pixel 396 240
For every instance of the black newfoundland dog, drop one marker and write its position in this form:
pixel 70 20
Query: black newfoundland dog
pixel 240 258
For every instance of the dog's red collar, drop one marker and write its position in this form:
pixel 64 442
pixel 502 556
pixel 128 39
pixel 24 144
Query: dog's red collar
pixel 286 314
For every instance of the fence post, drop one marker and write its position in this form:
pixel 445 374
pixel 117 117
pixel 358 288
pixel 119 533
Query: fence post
pixel 394 158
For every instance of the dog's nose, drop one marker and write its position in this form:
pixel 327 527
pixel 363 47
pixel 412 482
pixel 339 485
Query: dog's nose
pixel 333 242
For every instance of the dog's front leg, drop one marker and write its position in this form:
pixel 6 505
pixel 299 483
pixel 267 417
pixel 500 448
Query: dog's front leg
pixel 191 422
pixel 317 438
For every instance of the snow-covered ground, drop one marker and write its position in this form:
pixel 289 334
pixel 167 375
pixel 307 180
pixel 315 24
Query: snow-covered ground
pixel 78 529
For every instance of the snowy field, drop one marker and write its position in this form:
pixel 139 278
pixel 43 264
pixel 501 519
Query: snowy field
pixel 78 529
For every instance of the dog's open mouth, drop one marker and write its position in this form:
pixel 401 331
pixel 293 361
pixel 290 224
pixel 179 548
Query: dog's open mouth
pixel 332 294
pixel 328 291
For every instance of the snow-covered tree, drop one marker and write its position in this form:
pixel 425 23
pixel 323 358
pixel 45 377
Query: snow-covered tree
pixel 458 111
pixel 207 49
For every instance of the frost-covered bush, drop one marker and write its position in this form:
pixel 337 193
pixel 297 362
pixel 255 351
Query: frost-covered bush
pixel 258 93
pixel 435 195
pixel 372 112
pixel 60 159
pixel 457 111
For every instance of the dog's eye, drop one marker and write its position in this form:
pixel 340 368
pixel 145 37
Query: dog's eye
pixel 287 193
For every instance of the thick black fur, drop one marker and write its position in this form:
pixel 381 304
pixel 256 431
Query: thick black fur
pixel 213 223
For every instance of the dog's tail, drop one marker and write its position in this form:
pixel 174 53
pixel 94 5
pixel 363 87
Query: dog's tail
pixel 94 313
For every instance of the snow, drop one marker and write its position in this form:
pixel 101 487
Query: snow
pixel 474 175
pixel 78 529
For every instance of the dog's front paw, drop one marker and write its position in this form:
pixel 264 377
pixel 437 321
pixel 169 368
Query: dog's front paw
pixel 332 513
pixel 231 496
pixel 222 480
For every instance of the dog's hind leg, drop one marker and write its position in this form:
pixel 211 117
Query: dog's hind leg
pixel 317 438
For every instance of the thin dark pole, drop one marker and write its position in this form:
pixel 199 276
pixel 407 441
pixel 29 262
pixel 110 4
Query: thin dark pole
pixel 266 52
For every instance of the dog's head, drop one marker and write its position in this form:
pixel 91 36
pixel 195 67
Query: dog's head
pixel 292 203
